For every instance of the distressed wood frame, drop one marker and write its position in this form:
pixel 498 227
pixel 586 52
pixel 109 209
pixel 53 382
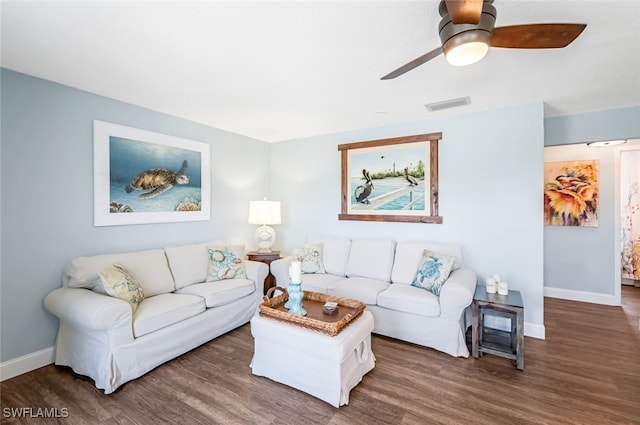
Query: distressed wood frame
pixel 432 183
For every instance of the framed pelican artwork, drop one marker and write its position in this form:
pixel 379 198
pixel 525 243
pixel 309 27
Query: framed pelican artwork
pixel 571 193
pixel 392 179
pixel 144 177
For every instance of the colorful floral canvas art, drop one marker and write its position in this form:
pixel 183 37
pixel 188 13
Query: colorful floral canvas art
pixel 630 209
pixel 571 193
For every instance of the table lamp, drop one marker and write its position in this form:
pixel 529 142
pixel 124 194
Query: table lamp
pixel 264 213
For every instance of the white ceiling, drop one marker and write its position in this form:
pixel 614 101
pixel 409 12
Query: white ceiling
pixel 283 70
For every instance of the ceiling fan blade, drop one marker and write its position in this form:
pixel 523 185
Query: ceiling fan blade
pixel 413 64
pixel 536 36
pixel 464 11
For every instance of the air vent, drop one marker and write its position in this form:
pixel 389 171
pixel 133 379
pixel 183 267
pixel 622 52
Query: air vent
pixel 446 104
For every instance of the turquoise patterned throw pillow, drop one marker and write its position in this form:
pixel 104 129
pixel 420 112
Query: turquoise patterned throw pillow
pixel 225 262
pixel 310 257
pixel 433 271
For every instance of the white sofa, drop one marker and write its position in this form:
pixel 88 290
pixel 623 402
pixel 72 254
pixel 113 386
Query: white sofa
pixel 100 337
pixel 379 272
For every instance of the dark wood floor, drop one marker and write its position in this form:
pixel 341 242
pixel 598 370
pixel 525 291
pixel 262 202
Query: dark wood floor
pixel 587 371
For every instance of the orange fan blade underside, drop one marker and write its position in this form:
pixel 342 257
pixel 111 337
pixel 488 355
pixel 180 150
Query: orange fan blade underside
pixel 536 36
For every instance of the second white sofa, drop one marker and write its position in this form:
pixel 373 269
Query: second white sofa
pixel 379 272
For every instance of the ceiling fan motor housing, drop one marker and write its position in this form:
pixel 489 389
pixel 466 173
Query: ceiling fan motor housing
pixel 452 35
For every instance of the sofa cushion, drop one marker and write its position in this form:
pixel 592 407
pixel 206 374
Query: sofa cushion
pixel 409 299
pixel 371 258
pixel 361 288
pixel 220 292
pixel 118 282
pixel 189 263
pixel 319 282
pixel 225 262
pixel 408 258
pixel 335 252
pixel 163 310
pixel 150 268
pixel 310 257
pixel 433 272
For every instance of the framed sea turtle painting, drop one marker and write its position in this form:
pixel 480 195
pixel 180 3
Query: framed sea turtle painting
pixel 144 177
pixel 392 179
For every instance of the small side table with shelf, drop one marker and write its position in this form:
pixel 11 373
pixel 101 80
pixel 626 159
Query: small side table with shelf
pixel 509 344
pixel 267 258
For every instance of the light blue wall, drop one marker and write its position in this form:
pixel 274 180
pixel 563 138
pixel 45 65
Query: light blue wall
pixel 47 195
pixel 490 193
pixel 490 169
pixel 612 124
pixel 584 259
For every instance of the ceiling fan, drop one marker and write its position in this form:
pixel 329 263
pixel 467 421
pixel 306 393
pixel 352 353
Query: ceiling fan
pixel 467 30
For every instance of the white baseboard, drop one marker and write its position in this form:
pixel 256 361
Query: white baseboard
pixel 534 330
pixel 583 296
pixel 26 363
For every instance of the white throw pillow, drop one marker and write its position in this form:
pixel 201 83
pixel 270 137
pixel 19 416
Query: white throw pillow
pixel 120 283
pixel 310 257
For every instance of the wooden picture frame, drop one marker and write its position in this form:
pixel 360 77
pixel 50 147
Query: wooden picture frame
pixel 143 177
pixel 405 170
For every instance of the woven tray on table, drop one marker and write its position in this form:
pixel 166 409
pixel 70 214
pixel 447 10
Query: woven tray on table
pixel 315 320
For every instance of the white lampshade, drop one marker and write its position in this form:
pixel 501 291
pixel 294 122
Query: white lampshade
pixel 264 213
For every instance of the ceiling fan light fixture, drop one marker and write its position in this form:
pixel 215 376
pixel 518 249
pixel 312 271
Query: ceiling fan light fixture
pixel 607 143
pixel 467 32
pixel 467 48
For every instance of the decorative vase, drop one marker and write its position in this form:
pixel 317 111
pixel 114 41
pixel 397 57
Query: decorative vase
pixel 295 299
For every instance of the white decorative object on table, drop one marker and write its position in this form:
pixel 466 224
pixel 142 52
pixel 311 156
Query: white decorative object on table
pixel 295 277
pixel 491 285
pixel 295 272
pixel 294 303
pixel 503 288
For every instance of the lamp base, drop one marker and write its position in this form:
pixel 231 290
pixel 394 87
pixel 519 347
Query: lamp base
pixel 265 237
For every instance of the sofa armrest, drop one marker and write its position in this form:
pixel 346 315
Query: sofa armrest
pixel 280 270
pixel 457 293
pixel 88 309
pixel 257 272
